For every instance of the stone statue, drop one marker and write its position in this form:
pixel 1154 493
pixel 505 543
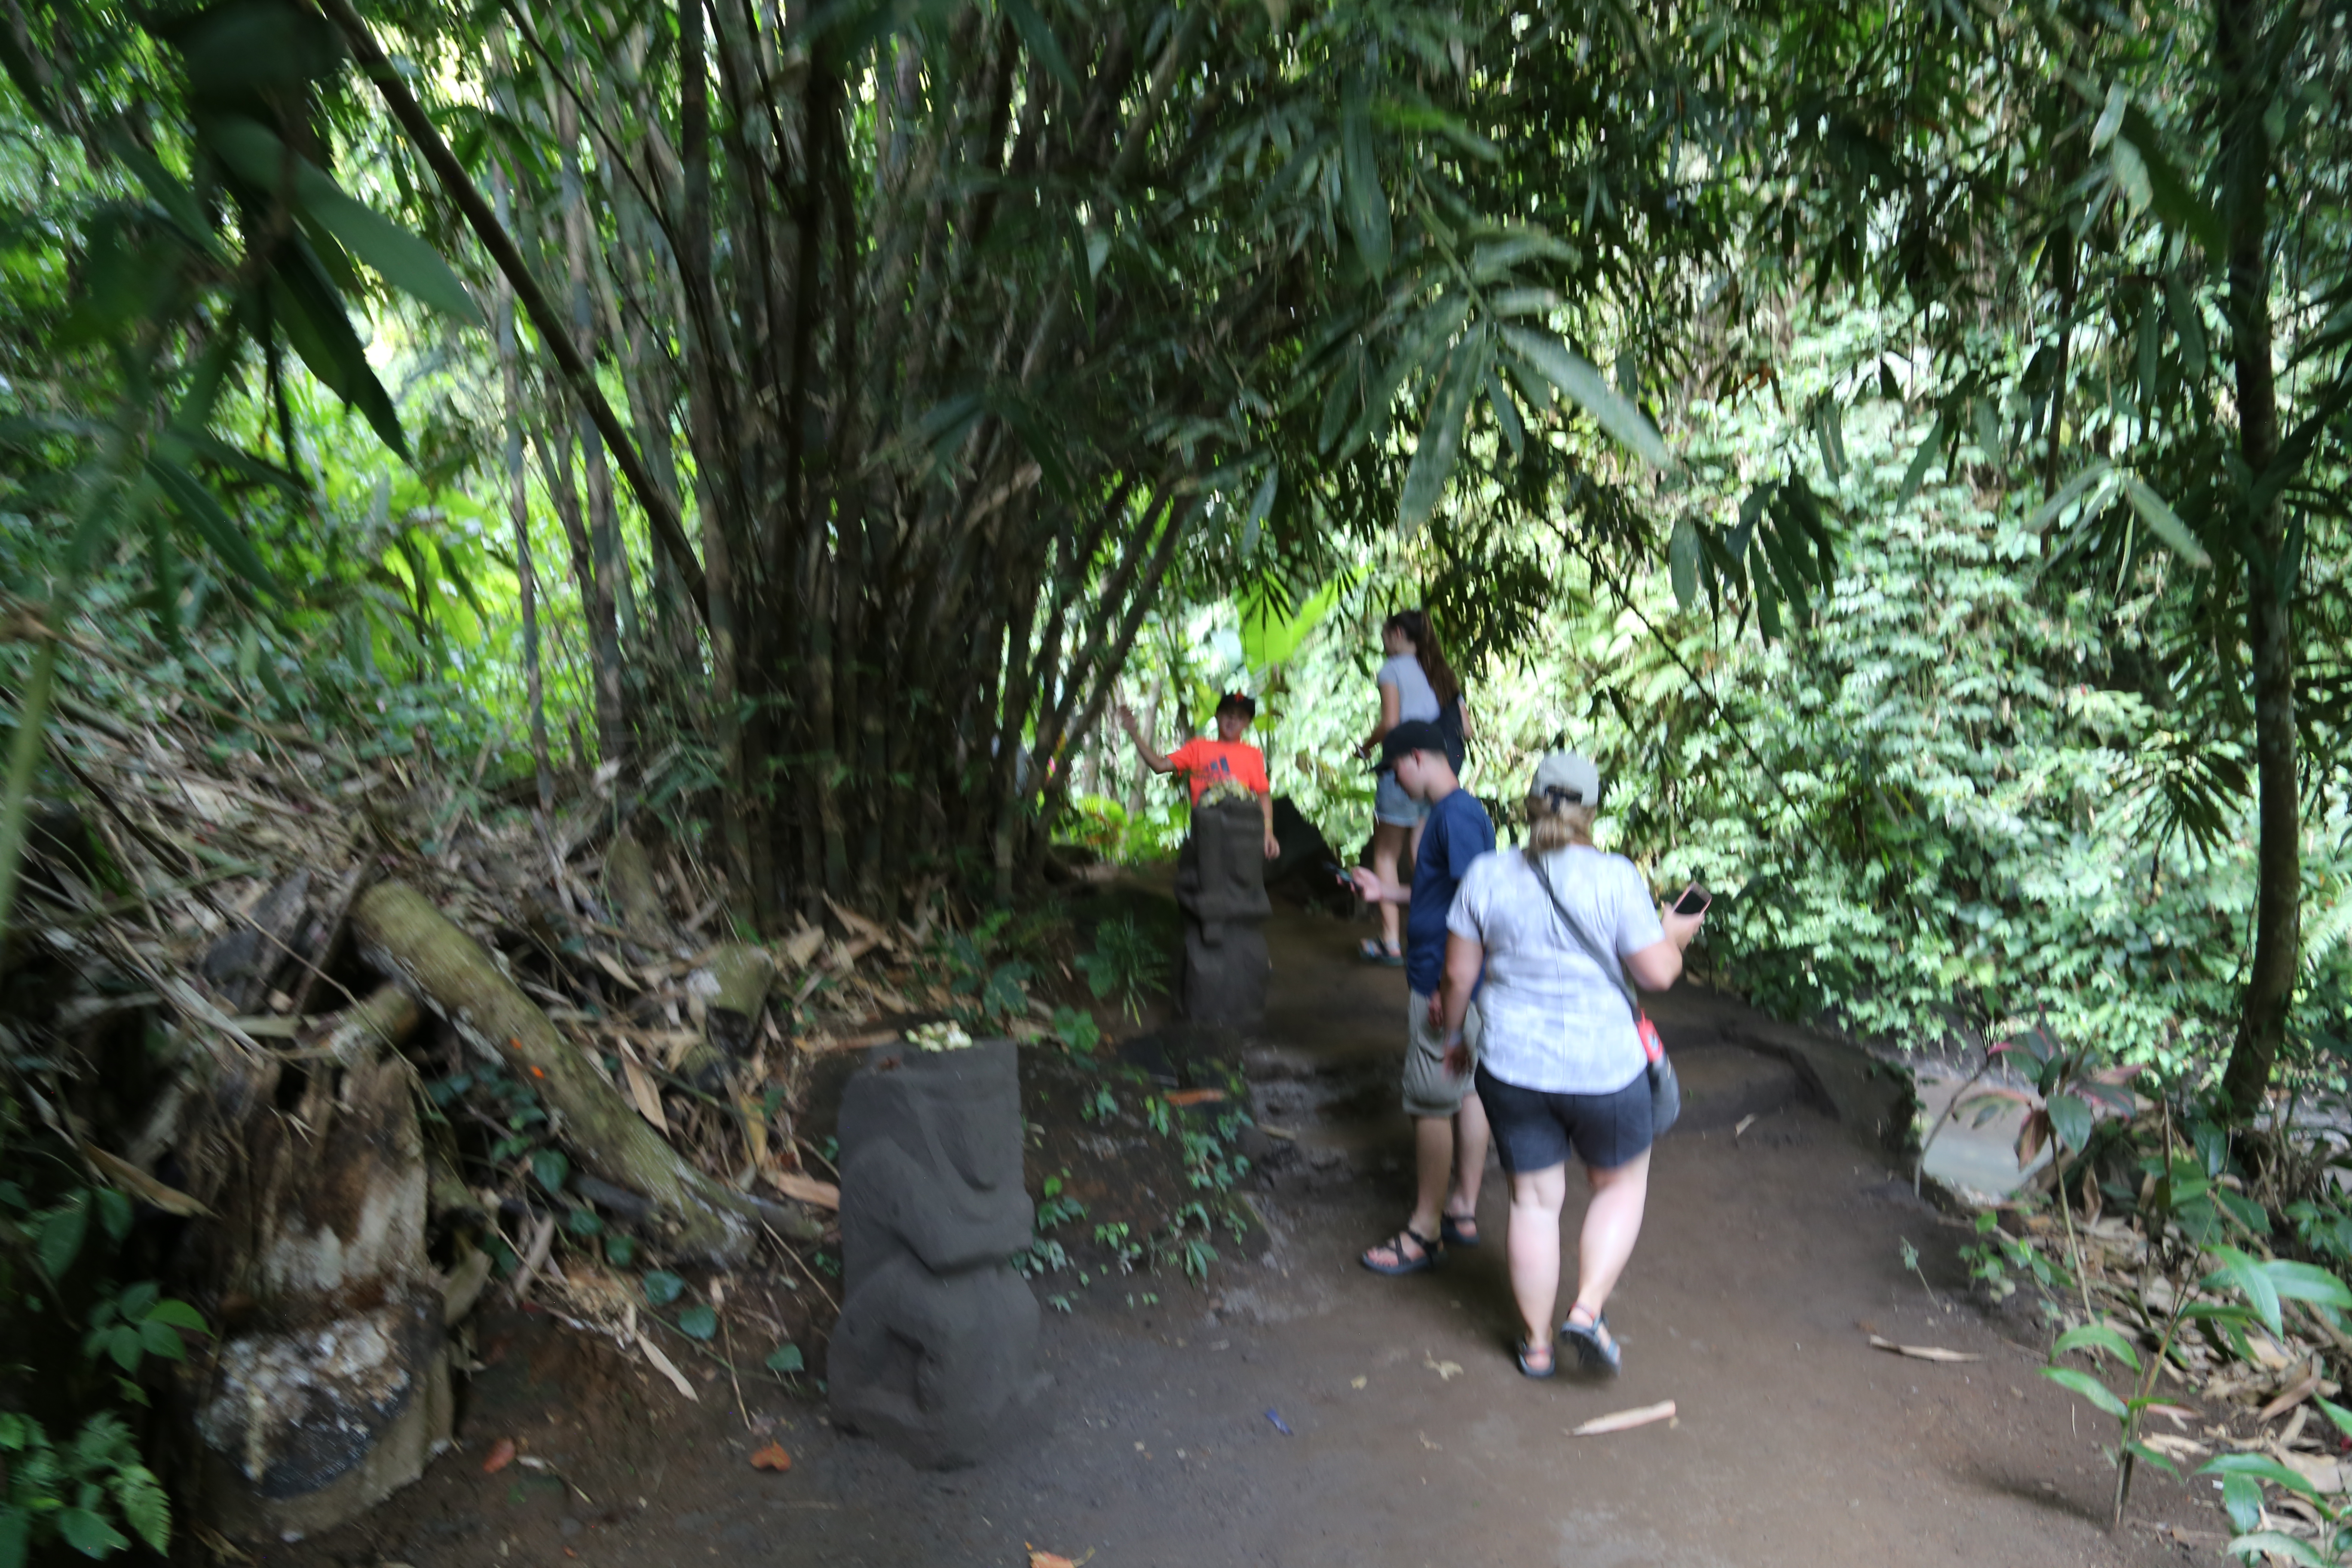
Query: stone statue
pixel 936 1351
pixel 1221 888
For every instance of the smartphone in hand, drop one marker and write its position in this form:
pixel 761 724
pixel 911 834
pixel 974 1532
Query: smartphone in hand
pixel 1693 900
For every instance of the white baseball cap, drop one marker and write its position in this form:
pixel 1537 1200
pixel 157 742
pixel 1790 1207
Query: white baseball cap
pixel 1568 776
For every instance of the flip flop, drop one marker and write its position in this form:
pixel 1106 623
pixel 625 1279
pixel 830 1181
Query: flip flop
pixel 1551 1364
pixel 1450 1231
pixel 1593 1353
pixel 1374 953
pixel 1431 1252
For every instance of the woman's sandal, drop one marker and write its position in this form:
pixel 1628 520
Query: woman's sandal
pixel 1594 1353
pixel 1451 1229
pixel 1527 1368
pixel 1431 1251
pixel 1378 952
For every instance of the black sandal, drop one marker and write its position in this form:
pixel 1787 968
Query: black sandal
pixel 1450 1231
pixel 1551 1358
pixel 1594 1353
pixel 1431 1251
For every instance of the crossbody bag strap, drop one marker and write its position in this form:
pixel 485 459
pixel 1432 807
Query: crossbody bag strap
pixel 1610 964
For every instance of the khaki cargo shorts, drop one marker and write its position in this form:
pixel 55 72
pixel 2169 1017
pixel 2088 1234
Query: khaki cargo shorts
pixel 1429 1088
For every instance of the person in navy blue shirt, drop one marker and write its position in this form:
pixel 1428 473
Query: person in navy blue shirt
pixel 1449 1124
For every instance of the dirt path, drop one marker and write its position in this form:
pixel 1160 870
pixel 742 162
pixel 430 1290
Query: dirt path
pixel 1412 1437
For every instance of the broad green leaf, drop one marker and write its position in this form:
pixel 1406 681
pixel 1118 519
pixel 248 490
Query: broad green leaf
pixel 1041 43
pixel 15 1525
pixel 305 304
pixel 406 262
pixel 61 1236
pixel 2111 118
pixel 1768 611
pixel 786 1359
pixel 2242 1274
pixel 2067 494
pixel 699 1322
pixel 2131 174
pixel 2308 1282
pixel 2089 1387
pixel 2148 1456
pixel 549 1168
pixel 2188 325
pixel 1506 413
pixel 2341 1417
pixel 124 1344
pixel 1339 402
pixel 1360 185
pixel 2101 1336
pixel 162 1339
pixel 88 1533
pixel 2164 522
pixel 2261 1468
pixel 1682 561
pixel 1590 390
pixel 196 506
pixel 2175 201
pixel 2242 1499
pixel 1261 507
pixel 2070 1121
pixel 114 1212
pixel 2272 1542
pixel 1433 455
pixel 662 1287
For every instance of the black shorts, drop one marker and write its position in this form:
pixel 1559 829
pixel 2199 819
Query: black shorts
pixel 1534 1131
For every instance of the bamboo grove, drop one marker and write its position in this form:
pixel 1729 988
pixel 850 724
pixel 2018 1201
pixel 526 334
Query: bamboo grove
pixel 886 365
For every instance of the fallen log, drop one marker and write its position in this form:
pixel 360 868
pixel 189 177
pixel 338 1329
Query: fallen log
pixel 402 934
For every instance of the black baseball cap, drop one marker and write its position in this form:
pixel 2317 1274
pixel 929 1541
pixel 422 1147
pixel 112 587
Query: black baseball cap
pixel 1412 735
pixel 1240 701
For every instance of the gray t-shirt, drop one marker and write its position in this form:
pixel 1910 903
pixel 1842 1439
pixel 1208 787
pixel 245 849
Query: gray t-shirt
pixel 1555 1023
pixel 1416 699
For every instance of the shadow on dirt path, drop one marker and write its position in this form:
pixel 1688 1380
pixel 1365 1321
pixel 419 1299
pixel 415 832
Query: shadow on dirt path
pixel 1412 1438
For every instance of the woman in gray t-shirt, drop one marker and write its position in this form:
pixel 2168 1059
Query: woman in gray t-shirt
pixel 1414 682
pixel 1561 1068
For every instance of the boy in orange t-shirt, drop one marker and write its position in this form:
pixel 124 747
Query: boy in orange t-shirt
pixel 1207 764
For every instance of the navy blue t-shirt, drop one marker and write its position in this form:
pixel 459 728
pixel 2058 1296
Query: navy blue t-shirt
pixel 1456 832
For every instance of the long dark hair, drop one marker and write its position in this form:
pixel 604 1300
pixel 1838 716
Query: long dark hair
pixel 1422 632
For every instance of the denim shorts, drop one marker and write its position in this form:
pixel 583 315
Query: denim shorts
pixel 1392 805
pixel 1534 1131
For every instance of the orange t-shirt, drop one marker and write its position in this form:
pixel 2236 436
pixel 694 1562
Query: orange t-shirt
pixel 1205 763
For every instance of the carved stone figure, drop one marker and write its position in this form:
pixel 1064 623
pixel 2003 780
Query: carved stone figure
pixel 1221 888
pixel 936 1351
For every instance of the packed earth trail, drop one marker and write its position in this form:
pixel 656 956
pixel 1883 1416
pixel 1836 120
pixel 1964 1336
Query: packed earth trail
pixel 1301 1412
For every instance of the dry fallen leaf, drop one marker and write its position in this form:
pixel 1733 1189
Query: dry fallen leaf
pixel 642 1091
pixel 501 1455
pixel 1921 1353
pixel 1619 1421
pixel 1447 1371
pixel 1195 1096
pixel 808 1189
pixel 1050 1559
pixel 771 1458
pixel 1358 1380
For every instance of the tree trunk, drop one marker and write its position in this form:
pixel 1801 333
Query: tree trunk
pixel 601 591
pixel 2241 51
pixel 518 508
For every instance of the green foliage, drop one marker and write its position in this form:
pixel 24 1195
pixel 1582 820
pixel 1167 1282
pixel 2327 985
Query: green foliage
pixel 84 1493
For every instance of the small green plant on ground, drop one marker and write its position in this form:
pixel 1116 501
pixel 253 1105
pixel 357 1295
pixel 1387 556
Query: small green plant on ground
pixel 1077 1030
pixel 1127 963
pixel 1999 1260
pixel 1045 1255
